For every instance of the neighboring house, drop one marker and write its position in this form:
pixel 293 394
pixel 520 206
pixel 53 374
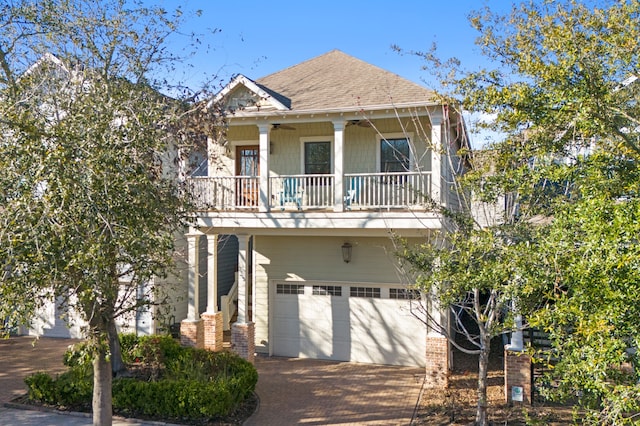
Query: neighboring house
pixel 56 319
pixel 320 164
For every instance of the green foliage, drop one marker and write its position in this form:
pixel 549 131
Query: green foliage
pixel 152 349
pixel 73 388
pixel 588 269
pixel 179 399
pixel 186 383
pixel 42 388
pixel 90 147
pixel 79 354
pixel 127 344
pixel 561 82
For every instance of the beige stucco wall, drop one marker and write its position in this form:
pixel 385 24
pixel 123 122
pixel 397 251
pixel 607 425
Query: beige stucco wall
pixel 316 259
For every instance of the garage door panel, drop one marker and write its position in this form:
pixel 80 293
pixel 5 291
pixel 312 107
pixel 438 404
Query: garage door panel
pixel 283 327
pixel 347 328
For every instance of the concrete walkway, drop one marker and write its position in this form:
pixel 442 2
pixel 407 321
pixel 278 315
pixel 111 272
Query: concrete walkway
pixel 291 391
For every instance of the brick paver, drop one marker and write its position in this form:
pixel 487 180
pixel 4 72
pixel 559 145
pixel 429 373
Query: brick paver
pixel 312 392
pixel 22 356
pixel 291 391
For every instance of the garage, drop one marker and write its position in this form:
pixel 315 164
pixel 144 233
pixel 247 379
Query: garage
pixel 347 322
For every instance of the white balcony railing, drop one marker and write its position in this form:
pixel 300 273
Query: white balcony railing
pixel 225 193
pixel 386 190
pixel 302 191
pixel 362 191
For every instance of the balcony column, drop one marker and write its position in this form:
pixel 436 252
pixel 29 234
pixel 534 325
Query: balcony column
pixel 213 321
pixel 193 240
pixel 338 165
pixel 243 332
pixel 191 328
pixel 212 273
pixel 243 274
pixel 265 197
pixel 438 160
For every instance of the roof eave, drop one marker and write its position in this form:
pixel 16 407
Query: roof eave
pixel 320 111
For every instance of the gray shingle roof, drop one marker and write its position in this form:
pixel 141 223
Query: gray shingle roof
pixel 336 80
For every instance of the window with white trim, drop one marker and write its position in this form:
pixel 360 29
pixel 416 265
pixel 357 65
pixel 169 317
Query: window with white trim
pixel 317 157
pixel 395 155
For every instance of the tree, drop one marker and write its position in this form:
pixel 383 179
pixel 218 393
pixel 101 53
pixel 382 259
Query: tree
pixel 470 275
pixel 561 86
pixel 586 268
pixel 467 271
pixel 89 164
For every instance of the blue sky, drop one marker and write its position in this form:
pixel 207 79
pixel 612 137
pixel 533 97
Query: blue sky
pixel 258 38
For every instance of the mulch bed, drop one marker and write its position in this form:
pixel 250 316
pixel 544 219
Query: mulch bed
pixel 456 405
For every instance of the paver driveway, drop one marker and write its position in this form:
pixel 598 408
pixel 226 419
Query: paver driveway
pixel 291 390
pixel 22 356
pixel 311 392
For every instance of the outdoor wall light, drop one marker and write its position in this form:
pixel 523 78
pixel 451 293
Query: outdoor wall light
pixel 346 252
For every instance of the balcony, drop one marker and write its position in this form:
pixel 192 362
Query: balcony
pixel 360 191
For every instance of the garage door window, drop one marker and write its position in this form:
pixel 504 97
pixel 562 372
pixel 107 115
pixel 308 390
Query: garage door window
pixel 327 290
pixel 373 292
pixel 290 289
pixel 403 294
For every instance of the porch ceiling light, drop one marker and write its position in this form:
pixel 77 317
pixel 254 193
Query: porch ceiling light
pixel 346 252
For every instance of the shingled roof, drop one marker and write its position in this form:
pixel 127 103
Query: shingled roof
pixel 336 80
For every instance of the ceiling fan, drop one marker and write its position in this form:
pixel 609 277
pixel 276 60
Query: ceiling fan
pixel 278 126
pixel 359 123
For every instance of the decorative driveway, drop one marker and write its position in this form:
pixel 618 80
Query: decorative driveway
pixel 292 391
pixel 312 392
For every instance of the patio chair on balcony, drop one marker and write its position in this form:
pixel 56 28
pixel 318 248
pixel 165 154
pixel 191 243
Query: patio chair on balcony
pixel 353 193
pixel 292 192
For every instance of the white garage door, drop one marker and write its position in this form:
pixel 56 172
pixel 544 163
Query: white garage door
pixel 369 324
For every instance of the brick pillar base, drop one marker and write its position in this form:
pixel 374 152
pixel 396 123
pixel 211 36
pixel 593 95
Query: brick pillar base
pixel 437 362
pixel 213 337
pixel 243 340
pixel 192 333
pixel 517 372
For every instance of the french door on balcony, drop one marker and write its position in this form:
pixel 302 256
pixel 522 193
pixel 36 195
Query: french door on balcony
pixel 248 169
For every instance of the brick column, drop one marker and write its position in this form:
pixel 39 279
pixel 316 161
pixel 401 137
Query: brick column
pixel 517 372
pixel 192 333
pixel 212 334
pixel 243 340
pixel 437 362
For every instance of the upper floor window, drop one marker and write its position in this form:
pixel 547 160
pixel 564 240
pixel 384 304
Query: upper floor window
pixel 395 155
pixel 317 157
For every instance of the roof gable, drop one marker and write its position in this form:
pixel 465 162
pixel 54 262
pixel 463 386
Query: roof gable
pixel 244 94
pixel 336 80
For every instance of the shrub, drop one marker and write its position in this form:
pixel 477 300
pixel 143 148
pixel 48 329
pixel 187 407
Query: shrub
pixel 183 383
pixel 41 388
pixel 70 389
pixel 172 398
pixel 128 342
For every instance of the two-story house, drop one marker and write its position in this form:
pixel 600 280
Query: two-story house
pixel 320 163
